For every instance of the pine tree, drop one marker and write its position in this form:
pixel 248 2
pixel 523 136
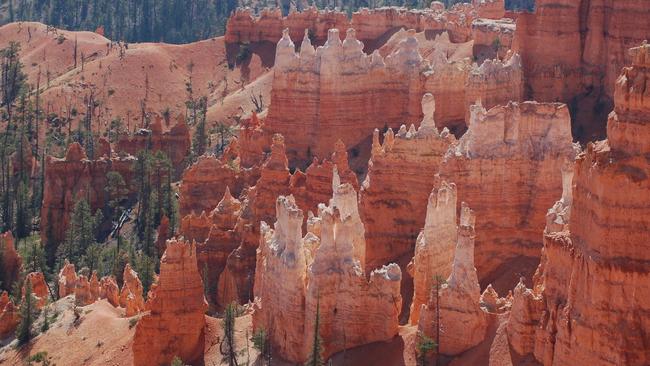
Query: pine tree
pixel 80 234
pixel 423 347
pixel 316 355
pixel 227 346
pixel 438 281
pixel 200 138
pixel 28 313
pixel 261 344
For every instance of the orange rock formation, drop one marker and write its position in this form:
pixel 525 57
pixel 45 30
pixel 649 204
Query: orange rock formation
pixel 70 178
pixel 296 276
pixel 175 324
pixel 175 143
pixel 586 304
pixel 131 297
pixel 371 25
pixel 9 317
pixel 362 92
pixel 39 288
pixel 573 51
pixel 460 314
pixel 11 260
pixel 435 246
pixel 508 168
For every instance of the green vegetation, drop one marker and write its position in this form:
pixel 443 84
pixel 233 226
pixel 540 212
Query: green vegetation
pixel 262 345
pixel 227 347
pixel 176 21
pixel 424 347
pixel 28 313
pixel 316 355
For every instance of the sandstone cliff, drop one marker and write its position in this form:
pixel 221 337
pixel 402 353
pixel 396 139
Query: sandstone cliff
pixel 342 92
pixel 11 261
pixel 175 324
pixel 175 143
pixel 372 25
pixel 70 178
pixel 462 322
pixel 326 273
pixel 435 246
pixel 508 168
pixel 573 51
pixel 587 301
pixel 393 198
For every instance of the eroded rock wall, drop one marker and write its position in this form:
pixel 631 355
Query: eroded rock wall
pixel 508 168
pixel 71 178
pixel 342 93
pixel 325 275
pixel 175 325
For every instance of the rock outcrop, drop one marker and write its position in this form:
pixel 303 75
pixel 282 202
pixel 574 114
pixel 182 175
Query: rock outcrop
pixel 175 143
pixel 204 183
pixel 175 325
pixel 82 293
pixel 508 168
pixel 235 282
pixel 371 25
pixel 457 303
pixel 342 92
pixel 11 261
pixel 401 175
pixel 494 83
pixel 573 51
pixel 109 290
pixel 492 38
pixel 39 288
pixel 67 279
pixel 315 185
pixel 9 317
pixel 298 276
pixel 131 297
pixel 72 177
pixel 588 296
pixel 435 246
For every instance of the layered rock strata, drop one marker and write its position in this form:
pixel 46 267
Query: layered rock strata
pixel 175 143
pixel 573 51
pixel 227 237
pixel 508 168
pixel 435 246
pixel 204 183
pixel 401 175
pixel 593 276
pixel 175 325
pixel 343 93
pixel 244 27
pixel 131 297
pixel 494 83
pixel 492 38
pixel 11 261
pixel 73 177
pixel 455 309
pixel 322 274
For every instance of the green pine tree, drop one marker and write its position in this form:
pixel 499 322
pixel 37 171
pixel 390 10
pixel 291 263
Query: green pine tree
pixel 28 313
pixel 227 346
pixel 80 234
pixel 316 355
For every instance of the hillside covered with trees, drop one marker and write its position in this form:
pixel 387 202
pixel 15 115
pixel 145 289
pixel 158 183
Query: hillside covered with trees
pixel 173 21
